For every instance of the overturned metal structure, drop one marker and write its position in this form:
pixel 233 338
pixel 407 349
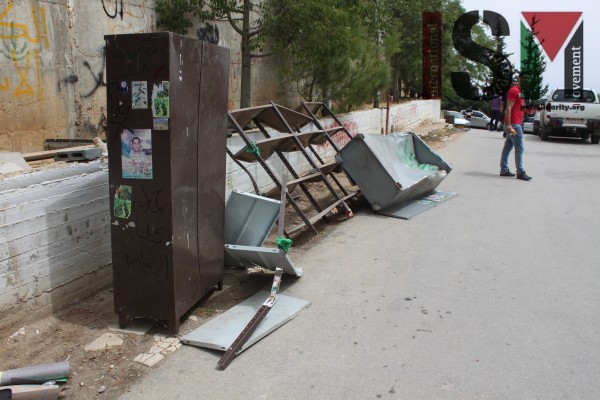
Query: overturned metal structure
pixel 393 170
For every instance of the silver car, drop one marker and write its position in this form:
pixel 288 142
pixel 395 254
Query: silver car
pixel 528 124
pixel 480 120
pixel 457 119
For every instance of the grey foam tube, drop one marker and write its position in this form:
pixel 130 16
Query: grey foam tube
pixel 35 374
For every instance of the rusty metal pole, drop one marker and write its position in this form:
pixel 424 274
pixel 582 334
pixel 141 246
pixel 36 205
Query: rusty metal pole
pixel 387 114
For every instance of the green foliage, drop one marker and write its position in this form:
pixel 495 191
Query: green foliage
pixel 407 62
pixel 533 66
pixel 340 50
pixel 177 15
pixel 331 49
pixel 498 64
pixel 244 16
pixel 454 62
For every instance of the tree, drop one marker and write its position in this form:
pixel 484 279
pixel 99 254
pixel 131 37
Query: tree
pixel 335 58
pixel 244 16
pixel 407 62
pixel 499 78
pixel 533 66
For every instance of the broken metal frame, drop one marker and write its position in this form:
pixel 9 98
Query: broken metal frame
pixel 242 166
pixel 269 172
pixel 293 139
pixel 311 109
pixel 262 312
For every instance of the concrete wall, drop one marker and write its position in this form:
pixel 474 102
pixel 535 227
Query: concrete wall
pixel 55 223
pixel 266 85
pixel 52 66
pixel 55 229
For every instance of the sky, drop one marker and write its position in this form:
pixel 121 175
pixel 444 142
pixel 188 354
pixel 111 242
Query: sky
pixel 511 10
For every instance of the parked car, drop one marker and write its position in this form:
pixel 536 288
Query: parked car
pixel 528 124
pixel 571 113
pixel 536 123
pixel 457 119
pixel 480 120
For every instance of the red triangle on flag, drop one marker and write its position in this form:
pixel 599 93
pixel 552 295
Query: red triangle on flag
pixel 553 28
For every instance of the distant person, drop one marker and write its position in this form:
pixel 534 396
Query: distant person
pixel 513 127
pixel 495 105
pixel 468 113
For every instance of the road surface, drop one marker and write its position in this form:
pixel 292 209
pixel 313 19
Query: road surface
pixel 492 295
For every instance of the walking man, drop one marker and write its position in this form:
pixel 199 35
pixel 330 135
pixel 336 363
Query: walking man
pixel 513 127
pixel 495 104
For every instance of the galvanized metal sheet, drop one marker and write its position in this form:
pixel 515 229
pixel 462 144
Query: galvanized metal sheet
pixel 417 206
pixel 249 218
pixel 220 332
pixel 391 170
pixel 247 256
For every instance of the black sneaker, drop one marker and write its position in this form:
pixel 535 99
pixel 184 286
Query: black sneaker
pixel 523 176
pixel 506 173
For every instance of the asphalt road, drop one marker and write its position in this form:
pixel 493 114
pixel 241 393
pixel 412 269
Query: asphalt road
pixel 492 295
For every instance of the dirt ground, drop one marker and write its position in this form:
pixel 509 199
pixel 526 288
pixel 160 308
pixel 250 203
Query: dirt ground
pixel 109 373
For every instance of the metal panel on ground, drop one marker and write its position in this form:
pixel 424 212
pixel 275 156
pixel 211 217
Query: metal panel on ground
pixel 247 256
pixel 392 170
pixel 220 332
pixel 249 218
pixel 417 206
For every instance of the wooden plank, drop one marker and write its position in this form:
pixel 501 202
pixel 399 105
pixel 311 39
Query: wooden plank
pixel 40 155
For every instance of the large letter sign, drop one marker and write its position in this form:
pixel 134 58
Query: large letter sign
pixel 497 62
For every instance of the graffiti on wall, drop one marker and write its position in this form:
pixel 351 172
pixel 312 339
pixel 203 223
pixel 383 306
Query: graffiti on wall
pixel 134 18
pixel 113 15
pixel 148 258
pixel 405 116
pixel 97 77
pixel 339 138
pixel 19 46
pixel 208 33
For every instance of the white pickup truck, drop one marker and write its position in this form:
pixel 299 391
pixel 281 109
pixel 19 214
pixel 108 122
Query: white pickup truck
pixel 571 113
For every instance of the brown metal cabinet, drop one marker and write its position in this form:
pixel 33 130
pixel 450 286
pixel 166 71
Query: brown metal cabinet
pixel 167 110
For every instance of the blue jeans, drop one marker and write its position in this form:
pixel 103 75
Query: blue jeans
pixel 511 141
pixel 494 120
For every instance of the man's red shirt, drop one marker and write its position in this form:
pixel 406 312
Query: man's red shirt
pixel 516 112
